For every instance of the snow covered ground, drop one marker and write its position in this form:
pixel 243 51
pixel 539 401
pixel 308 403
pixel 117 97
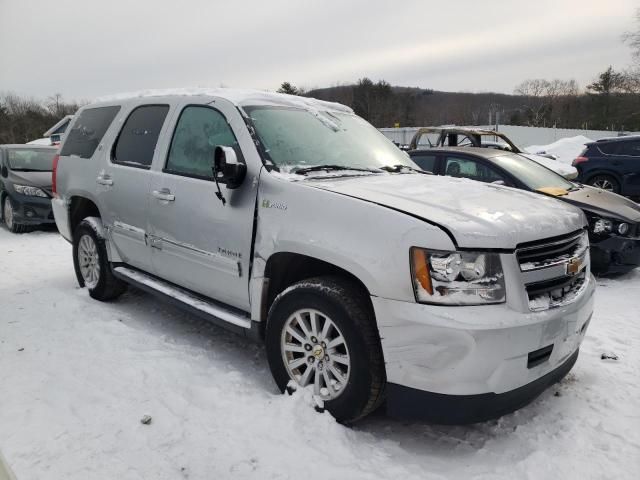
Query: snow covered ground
pixel 76 377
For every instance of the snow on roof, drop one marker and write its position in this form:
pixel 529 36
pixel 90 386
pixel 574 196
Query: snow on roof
pixel 241 97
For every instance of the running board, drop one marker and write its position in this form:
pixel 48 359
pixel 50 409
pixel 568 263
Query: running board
pixel 185 300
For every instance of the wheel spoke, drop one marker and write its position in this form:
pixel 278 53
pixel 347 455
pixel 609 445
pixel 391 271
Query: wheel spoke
pixel 298 362
pixel 303 326
pixel 336 373
pixel 316 381
pixel 290 330
pixel 327 381
pixel 326 328
pixel 314 324
pixel 304 379
pixel 291 347
pixel 343 359
pixel 335 342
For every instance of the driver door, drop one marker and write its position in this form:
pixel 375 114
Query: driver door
pixel 197 242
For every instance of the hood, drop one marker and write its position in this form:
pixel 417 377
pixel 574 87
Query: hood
pixel 31 179
pixel 603 203
pixel 567 171
pixel 478 215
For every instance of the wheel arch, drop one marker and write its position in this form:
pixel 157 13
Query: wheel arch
pixel 283 269
pixel 81 207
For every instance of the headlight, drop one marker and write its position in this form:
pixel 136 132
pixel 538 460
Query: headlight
pixel 601 226
pixel 457 278
pixel 30 191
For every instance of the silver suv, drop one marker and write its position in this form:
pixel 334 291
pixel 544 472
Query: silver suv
pixel 295 222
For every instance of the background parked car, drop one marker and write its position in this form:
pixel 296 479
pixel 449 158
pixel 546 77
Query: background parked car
pixel 614 221
pixel 430 137
pixel 611 164
pixel 25 185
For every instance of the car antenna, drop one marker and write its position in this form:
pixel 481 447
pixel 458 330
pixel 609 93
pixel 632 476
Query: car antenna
pixel 215 178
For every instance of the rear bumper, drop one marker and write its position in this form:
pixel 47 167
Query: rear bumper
pixel 61 215
pixel 615 255
pixel 410 403
pixel 31 210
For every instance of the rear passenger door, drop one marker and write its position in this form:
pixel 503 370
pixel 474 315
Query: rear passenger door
pixel 627 162
pixel 125 180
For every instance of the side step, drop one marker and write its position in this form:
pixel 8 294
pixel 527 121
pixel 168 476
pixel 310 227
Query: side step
pixel 188 301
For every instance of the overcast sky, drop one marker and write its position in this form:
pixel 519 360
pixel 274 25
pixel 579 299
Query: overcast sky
pixel 85 48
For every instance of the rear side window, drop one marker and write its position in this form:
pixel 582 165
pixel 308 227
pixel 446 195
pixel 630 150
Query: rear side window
pixel 137 140
pixel 608 148
pixel 88 130
pixel 198 132
pixel 629 148
pixel 425 162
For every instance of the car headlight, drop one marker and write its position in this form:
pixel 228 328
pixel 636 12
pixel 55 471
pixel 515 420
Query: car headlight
pixel 601 226
pixel 457 278
pixel 30 191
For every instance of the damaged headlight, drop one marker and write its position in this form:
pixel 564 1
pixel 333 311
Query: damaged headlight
pixel 457 278
pixel 604 226
pixel 29 191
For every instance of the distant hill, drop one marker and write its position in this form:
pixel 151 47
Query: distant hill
pixel 386 106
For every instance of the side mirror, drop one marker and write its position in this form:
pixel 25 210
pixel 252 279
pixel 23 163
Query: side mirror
pixel 4 171
pixel 227 168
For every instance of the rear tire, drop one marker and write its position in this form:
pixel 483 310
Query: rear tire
pixel 8 217
pixel 92 266
pixel 351 387
pixel 605 182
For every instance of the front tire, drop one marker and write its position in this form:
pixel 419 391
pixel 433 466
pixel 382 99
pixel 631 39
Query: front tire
pixel 8 217
pixel 92 266
pixel 322 332
pixel 605 182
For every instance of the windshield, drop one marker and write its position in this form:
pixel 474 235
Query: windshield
pixel 39 160
pixel 297 139
pixel 531 173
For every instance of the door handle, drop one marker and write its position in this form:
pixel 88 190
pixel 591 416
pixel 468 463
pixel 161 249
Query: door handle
pixel 104 179
pixel 164 195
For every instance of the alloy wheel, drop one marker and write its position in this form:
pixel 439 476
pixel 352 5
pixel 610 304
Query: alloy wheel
pixel 314 351
pixel 8 214
pixel 89 261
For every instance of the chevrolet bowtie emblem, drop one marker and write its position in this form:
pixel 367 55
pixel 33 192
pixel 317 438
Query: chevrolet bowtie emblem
pixel 573 266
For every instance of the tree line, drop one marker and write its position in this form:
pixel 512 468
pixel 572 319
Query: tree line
pixel 24 119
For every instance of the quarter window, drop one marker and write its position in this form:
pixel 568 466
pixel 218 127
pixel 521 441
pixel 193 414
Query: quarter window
pixel 198 132
pixel 139 135
pixel 87 131
pixel 629 148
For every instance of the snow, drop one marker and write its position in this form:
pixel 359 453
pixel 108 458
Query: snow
pixel 40 141
pixel 72 400
pixel 238 96
pixel 566 149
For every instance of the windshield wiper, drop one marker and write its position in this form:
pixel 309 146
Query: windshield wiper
pixel 398 168
pixel 329 168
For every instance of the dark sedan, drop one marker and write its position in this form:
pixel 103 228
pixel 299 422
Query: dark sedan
pixel 611 164
pixel 25 186
pixel 614 221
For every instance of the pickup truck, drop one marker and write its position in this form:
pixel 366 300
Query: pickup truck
pixel 295 222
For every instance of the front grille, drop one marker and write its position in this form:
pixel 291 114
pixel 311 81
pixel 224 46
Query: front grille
pixel 555 292
pixel 551 251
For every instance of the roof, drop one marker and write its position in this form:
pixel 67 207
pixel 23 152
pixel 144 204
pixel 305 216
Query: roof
pixel 239 97
pixel 52 130
pixel 622 138
pixel 22 146
pixel 487 153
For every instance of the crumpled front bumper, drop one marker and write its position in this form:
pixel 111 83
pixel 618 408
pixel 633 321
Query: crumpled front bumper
pixel 615 254
pixel 440 353
pixel 29 210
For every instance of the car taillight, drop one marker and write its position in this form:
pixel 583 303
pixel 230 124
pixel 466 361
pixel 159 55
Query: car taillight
pixel 54 174
pixel 579 160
